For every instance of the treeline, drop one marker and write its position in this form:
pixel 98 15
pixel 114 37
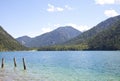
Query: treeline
pixel 64 48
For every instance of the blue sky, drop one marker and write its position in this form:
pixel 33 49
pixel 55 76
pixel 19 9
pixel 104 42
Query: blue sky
pixel 35 17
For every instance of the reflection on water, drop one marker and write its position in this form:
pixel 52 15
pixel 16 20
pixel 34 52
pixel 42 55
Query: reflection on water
pixel 62 66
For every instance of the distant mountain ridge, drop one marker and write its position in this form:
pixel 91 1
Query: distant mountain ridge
pixel 104 36
pixel 8 43
pixel 108 23
pixel 55 37
pixel 24 39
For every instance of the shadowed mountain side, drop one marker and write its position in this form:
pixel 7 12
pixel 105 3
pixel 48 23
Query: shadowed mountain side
pixel 106 40
pixel 8 43
pixel 110 22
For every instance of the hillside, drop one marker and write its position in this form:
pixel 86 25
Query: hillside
pixel 24 39
pixel 104 36
pixel 55 37
pixel 106 40
pixel 94 31
pixel 8 43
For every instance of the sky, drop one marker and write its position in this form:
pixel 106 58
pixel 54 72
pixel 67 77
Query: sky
pixel 35 17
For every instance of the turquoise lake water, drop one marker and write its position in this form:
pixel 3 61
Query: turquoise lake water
pixel 61 66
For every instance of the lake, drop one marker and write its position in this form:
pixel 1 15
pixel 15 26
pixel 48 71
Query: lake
pixel 61 66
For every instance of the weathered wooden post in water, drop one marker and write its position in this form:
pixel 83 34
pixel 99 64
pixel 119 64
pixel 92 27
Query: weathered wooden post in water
pixel 2 65
pixel 15 62
pixel 24 64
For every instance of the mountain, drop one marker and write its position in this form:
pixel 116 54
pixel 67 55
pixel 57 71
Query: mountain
pixel 8 43
pixel 104 36
pixel 24 39
pixel 55 37
pixel 106 40
pixel 85 36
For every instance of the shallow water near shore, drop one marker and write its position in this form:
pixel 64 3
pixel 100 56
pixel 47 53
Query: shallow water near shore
pixel 61 66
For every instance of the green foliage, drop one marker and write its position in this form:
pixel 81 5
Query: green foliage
pixel 85 36
pixel 64 48
pixel 106 40
pixel 104 36
pixel 8 43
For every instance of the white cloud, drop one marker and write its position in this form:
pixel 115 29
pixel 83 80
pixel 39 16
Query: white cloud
pixel 45 30
pixel 68 7
pixel 56 25
pixel 110 13
pixel 103 2
pixel 118 1
pixel 59 9
pixel 79 27
pixel 52 8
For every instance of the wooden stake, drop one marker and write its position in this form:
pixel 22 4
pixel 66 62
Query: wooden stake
pixel 2 65
pixel 15 62
pixel 24 64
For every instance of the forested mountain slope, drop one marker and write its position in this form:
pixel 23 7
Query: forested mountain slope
pixel 110 22
pixel 106 40
pixel 8 43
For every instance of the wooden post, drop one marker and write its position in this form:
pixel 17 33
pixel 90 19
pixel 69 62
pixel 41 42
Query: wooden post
pixel 14 62
pixel 2 65
pixel 24 64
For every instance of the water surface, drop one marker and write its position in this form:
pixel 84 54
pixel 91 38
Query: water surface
pixel 62 66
